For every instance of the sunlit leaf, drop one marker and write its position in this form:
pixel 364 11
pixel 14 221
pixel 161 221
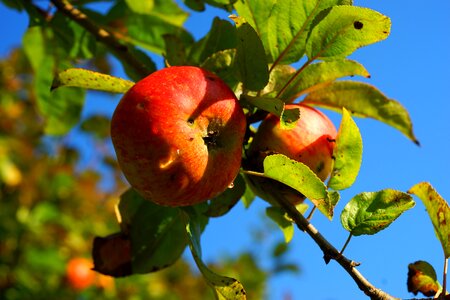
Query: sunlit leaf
pixel 438 210
pixel 343 30
pixel 363 100
pixel 175 51
pixel 87 79
pixel 165 18
pixel 283 25
pixel 139 6
pixel 281 219
pixel 422 278
pixel 319 74
pixel 301 178
pixel 250 56
pixel 370 212
pixel 347 154
pixel 223 203
pixel 288 117
pixel 226 288
pixel 157 233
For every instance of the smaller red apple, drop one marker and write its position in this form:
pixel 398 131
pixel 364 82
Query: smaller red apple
pixel 311 142
pixel 80 274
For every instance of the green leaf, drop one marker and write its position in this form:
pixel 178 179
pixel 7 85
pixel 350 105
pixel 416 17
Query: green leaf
pixel 87 79
pixel 347 154
pixel 345 29
pixel 76 41
pixel 250 56
pixel 197 5
pixel 283 25
pixel 221 36
pixel 223 287
pixel 422 278
pixel 61 108
pixel 147 29
pixel 288 117
pixel 139 6
pixel 370 212
pixel 280 217
pixel 438 210
pixel 97 125
pixel 157 233
pixel 363 100
pixel 301 178
pixel 223 203
pixel 175 50
pixel 320 74
pixel 278 78
pixel 222 63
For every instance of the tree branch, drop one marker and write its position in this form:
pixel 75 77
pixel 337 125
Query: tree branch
pixel 330 252
pixel 121 51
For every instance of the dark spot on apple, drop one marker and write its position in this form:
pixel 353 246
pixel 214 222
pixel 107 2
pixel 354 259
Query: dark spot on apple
pixel 320 167
pixel 191 139
pixel 190 121
pixel 358 25
pixel 140 106
pixel 211 78
pixel 330 140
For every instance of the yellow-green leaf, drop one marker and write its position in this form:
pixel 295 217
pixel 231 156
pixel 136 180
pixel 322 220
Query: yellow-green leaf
pixel 301 178
pixel 422 278
pixel 363 100
pixel 344 29
pixel 87 79
pixel 347 154
pixel 438 210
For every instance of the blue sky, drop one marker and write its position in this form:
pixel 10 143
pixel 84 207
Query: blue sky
pixel 411 66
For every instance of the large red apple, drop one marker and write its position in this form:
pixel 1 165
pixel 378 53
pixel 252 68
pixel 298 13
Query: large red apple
pixel 311 142
pixel 178 136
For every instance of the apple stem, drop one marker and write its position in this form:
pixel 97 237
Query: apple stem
pixel 254 173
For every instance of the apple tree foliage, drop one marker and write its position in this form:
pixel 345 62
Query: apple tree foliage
pixel 68 44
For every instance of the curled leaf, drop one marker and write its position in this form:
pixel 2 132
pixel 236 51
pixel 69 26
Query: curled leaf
pixel 422 278
pixel 438 210
pixel 87 79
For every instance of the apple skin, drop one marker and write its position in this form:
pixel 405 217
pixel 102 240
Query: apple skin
pixel 178 136
pixel 80 274
pixel 311 142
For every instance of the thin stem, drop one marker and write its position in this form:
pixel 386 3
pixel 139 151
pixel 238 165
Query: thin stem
pixel 253 173
pixel 294 76
pixel 330 252
pixel 346 243
pixel 444 280
pixel 311 213
pixel 103 35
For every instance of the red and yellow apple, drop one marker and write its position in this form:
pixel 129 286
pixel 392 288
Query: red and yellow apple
pixel 311 142
pixel 178 136
pixel 80 274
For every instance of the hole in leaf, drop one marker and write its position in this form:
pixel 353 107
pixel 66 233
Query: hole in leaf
pixel 358 25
